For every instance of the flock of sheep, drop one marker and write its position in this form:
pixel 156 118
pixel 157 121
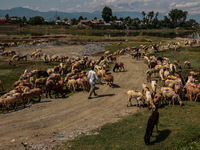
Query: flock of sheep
pixel 175 87
pixel 70 73
pixel 68 76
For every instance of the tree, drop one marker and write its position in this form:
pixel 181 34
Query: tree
pixel 143 14
pixel 178 16
pixel 65 19
pixel 58 18
pixel 107 14
pixel 24 20
pixel 7 17
pixel 74 21
pixel 37 20
pixel 80 18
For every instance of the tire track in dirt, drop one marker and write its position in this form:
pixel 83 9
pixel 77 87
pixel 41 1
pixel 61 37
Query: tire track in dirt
pixel 73 115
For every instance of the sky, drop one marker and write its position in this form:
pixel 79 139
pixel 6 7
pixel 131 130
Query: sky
pixel 161 6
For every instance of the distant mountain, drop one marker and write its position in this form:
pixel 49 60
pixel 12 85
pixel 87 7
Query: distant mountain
pixel 51 15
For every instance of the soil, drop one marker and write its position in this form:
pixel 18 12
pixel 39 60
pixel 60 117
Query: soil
pixel 52 121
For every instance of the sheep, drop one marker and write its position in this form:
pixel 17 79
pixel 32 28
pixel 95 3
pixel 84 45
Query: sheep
pixel 54 76
pixel 40 81
pixel 13 99
pixel 135 94
pixel 119 66
pixel 82 82
pixel 29 95
pixel 58 88
pixel 154 86
pixel 149 101
pixel 187 64
pixel 157 98
pixel 153 120
pixel 72 84
pixel 145 88
pixel 49 85
pixel 109 79
pixel 176 62
pixel 193 91
pixel 171 95
pixel 40 73
pixel 50 70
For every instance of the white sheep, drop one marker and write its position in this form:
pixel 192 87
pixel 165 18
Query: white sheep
pixel 135 94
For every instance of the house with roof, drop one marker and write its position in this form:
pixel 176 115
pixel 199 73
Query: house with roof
pixel 2 21
pixel 86 22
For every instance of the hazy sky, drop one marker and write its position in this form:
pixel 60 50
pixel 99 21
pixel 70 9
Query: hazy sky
pixel 161 6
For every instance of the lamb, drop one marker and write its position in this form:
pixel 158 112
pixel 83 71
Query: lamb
pixel 135 94
pixel 153 120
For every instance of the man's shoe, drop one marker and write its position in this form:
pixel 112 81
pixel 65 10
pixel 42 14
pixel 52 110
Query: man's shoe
pixel 89 97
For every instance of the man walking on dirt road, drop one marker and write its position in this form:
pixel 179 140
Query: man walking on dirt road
pixel 91 77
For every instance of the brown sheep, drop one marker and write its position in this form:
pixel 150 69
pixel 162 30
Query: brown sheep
pixel 29 95
pixel 40 81
pixel 109 79
pixel 119 66
pixel 72 85
pixel 13 99
pixel 191 91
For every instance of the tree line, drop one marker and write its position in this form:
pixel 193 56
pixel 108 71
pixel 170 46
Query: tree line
pixel 175 18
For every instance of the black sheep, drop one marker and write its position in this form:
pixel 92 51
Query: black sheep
pixel 153 120
pixel 42 73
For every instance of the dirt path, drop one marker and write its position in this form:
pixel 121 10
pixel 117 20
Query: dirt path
pixel 55 120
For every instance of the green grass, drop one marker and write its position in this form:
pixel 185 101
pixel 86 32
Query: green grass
pixel 177 126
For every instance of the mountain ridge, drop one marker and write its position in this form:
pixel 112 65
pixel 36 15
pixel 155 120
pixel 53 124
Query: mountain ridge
pixel 51 15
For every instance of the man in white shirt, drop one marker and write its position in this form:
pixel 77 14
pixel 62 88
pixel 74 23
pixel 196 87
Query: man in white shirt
pixel 92 77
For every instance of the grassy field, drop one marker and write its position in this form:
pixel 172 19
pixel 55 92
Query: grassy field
pixel 178 129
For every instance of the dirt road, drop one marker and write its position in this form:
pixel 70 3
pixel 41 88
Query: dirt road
pixel 55 120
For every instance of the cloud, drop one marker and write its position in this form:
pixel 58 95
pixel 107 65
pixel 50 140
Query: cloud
pixel 26 7
pixel 187 5
pixel 54 9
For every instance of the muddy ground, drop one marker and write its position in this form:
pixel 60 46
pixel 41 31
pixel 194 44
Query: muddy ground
pixel 52 121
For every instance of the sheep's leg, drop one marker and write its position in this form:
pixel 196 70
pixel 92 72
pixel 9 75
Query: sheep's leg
pixel 197 96
pixel 129 101
pixel 190 97
pixel 157 127
pixel 39 99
